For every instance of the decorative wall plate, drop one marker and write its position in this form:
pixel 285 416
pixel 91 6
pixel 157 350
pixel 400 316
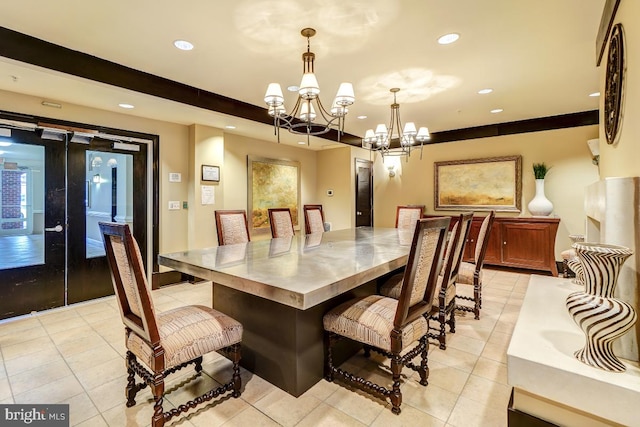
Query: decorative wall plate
pixel 613 84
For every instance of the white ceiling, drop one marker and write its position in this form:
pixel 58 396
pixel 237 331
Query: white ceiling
pixel 537 56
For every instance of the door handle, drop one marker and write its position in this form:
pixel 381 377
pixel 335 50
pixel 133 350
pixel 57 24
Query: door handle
pixel 358 213
pixel 57 228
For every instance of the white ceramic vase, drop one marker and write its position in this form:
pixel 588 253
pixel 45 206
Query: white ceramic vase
pixel 602 318
pixel 540 205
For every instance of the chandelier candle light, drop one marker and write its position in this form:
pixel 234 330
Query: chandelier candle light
pixel 382 138
pixel 301 120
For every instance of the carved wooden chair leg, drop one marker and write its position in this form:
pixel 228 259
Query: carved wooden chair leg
pixel 477 287
pixel 131 389
pixel 452 319
pixel 157 388
pixel 396 394
pixel 442 319
pixel 328 366
pixel 424 367
pixel 367 351
pixel 235 354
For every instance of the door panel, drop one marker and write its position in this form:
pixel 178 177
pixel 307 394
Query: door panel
pixel 364 193
pixel 32 260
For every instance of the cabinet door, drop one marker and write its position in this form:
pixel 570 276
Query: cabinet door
pixel 472 238
pixel 493 256
pixel 526 245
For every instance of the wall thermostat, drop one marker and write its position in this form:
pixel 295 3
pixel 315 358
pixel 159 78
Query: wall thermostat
pixel 329 193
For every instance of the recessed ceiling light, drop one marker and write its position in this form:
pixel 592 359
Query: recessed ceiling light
pixel 183 45
pixel 448 38
pixel 361 117
pixel 5 144
pixel 485 91
pixel 497 110
pixel 293 88
pixel 229 127
pixel 594 94
pixel 127 106
pixel 302 142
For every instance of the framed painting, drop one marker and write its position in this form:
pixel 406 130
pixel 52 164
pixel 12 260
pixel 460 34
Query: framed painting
pixel 479 184
pixel 272 183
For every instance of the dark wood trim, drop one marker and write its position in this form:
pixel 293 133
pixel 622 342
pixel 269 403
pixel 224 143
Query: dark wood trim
pixel 606 22
pixel 24 48
pixel 584 118
pixel 516 418
pixel 159 279
pixel 31 50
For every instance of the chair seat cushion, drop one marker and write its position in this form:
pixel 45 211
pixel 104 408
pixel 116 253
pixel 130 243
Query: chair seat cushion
pixel 369 320
pixel 186 333
pixel 465 273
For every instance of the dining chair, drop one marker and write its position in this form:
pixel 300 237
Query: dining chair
pixel 232 227
pixel 389 326
pixel 281 222
pixel 471 273
pixel 313 219
pixel 444 297
pixel 407 215
pixel 159 344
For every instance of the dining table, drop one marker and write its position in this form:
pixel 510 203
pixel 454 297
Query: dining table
pixel 279 289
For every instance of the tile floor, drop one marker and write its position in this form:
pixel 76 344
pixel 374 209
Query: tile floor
pixel 75 355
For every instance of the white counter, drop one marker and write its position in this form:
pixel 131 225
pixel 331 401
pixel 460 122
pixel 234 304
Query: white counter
pixel 541 364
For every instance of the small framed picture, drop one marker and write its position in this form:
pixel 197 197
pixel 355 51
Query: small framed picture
pixel 210 173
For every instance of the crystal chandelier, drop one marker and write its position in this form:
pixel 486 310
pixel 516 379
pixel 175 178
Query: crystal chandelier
pixel 402 139
pixel 302 119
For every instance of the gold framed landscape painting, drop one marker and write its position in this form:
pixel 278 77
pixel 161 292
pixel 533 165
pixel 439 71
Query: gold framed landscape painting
pixel 272 183
pixel 493 183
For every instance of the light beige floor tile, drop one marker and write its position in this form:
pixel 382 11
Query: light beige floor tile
pixel 327 416
pixel 408 417
pixel 254 388
pixel 218 412
pixel 186 385
pixel 5 389
pixel 138 415
pixel 66 326
pixel 323 389
pixel 432 399
pixel 96 421
pixel 491 370
pixel 22 336
pixel 74 346
pixel 111 394
pixel 27 348
pixel 57 315
pixel 469 413
pixel 54 392
pixel 101 373
pixel 71 333
pixel 39 376
pixel 487 392
pixel 358 404
pixel 471 330
pixel 32 361
pixel 102 316
pixel 286 409
pixel 465 343
pixel 251 417
pixel 454 358
pixel 85 309
pixel 81 408
pixel 93 356
pixel 11 327
pixel 447 377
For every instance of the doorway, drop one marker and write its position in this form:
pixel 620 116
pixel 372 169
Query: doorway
pixel 54 193
pixel 364 193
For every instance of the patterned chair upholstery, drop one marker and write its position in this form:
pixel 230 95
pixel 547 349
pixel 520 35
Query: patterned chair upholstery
pixel 444 298
pixel 281 222
pixel 407 216
pixel 313 219
pixel 160 344
pixel 470 273
pixel 232 227
pixel 390 326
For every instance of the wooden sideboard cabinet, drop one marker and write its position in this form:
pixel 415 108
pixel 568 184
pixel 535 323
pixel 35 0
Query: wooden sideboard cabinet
pixel 518 242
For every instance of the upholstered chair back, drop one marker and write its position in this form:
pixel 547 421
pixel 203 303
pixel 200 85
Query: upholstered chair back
pixel 232 227
pixel 281 222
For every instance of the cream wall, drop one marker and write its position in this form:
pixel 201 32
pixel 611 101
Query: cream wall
pixel 334 174
pixel 623 158
pixel 565 150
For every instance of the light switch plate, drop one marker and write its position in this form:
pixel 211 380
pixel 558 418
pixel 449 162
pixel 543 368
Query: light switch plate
pixel 174 206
